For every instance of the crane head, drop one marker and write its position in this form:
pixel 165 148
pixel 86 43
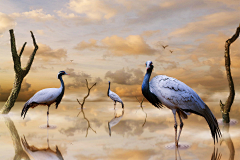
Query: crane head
pixel 149 65
pixel 62 73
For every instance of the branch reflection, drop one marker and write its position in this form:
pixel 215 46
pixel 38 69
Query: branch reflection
pixel 89 125
pixel 216 155
pixel 116 119
pixel 140 103
pixel 19 152
pixel 42 153
pixel 227 139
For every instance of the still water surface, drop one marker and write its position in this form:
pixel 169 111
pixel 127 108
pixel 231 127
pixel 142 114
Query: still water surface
pixel 120 134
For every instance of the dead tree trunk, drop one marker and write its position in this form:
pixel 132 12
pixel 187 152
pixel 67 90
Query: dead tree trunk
pixel 20 72
pixel 225 108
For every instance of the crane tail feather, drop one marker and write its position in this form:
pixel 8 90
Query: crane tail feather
pixel 25 109
pixel 122 105
pixel 211 120
pixel 213 124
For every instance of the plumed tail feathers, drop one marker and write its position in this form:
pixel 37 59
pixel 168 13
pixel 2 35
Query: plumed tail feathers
pixel 25 109
pixel 213 124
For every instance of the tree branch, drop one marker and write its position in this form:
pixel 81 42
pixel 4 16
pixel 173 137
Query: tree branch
pixel 81 104
pixel 31 58
pixel 16 58
pixel 225 108
pixel 20 54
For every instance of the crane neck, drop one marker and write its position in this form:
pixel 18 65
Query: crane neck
pixel 145 84
pixel 108 90
pixel 62 83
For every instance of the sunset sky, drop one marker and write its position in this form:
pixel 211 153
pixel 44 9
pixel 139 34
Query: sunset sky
pixel 112 40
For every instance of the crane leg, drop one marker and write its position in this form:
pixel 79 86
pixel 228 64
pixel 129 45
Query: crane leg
pixel 114 104
pixel 181 125
pixel 48 116
pixel 175 127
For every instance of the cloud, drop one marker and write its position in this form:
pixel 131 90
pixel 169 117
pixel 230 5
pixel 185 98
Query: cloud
pixel 132 45
pixel 149 33
pixel 207 23
pixel 118 46
pixel 94 9
pixel 129 76
pixel 6 22
pixel 92 45
pixel 25 86
pixel 46 53
pixel 79 78
pixel 37 15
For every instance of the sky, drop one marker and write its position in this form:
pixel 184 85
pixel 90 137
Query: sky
pixel 103 40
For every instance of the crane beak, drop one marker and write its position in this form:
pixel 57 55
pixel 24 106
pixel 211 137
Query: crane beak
pixel 67 74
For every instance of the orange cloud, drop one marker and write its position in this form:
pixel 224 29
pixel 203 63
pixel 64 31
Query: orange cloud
pixel 6 22
pixel 132 45
pixel 208 23
pixel 46 53
pixel 95 9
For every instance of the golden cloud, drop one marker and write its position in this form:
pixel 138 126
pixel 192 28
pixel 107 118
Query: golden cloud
pixel 46 53
pixel 95 9
pixel 208 23
pixel 118 46
pixel 132 45
pixel 6 22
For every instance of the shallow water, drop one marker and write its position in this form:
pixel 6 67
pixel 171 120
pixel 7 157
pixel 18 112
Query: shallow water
pixel 132 137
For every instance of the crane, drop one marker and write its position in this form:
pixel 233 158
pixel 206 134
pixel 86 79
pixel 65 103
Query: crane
pixel 114 96
pixel 46 97
pixel 180 98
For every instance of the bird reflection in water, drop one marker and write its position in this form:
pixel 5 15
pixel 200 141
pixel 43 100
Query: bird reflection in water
pixel 216 155
pixel 19 151
pixel 42 153
pixel 116 119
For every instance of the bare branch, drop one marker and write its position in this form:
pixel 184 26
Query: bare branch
pixel 16 58
pixel 20 54
pixel 225 108
pixel 31 58
pixel 81 104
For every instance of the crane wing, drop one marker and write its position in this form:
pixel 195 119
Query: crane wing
pixel 114 96
pixel 45 96
pixel 174 93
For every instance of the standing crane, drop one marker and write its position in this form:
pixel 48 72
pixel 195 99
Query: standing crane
pixel 114 96
pixel 180 98
pixel 46 97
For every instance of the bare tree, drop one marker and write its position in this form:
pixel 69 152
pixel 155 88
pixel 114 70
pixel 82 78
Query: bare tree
pixel 225 108
pixel 20 72
pixel 83 102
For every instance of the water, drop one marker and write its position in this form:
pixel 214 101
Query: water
pixel 134 135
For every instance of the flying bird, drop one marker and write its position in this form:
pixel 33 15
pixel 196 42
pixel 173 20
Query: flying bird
pixel 71 60
pixel 164 46
pixel 180 98
pixel 46 97
pixel 171 51
pixel 114 96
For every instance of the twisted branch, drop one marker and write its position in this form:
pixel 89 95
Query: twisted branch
pixel 225 108
pixel 83 102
